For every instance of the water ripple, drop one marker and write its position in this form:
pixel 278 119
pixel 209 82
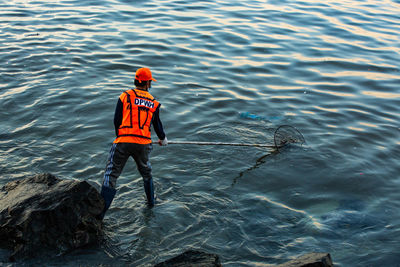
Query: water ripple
pixel 328 68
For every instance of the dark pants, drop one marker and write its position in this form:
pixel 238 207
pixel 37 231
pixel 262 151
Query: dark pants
pixel 119 154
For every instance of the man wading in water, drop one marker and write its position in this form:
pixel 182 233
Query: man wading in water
pixel 136 110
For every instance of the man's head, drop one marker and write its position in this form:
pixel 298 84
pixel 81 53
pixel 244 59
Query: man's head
pixel 143 78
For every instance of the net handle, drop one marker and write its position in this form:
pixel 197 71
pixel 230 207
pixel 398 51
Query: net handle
pixel 216 144
pixel 275 146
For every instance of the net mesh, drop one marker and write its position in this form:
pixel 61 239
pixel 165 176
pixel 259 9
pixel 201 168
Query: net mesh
pixel 286 134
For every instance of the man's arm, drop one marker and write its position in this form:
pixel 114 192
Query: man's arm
pixel 158 127
pixel 118 116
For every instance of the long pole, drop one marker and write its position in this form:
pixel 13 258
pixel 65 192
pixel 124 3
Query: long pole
pixel 216 144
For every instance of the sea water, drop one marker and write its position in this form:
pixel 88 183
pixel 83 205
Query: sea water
pixel 328 68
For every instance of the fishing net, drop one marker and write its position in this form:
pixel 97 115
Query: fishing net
pixel 285 135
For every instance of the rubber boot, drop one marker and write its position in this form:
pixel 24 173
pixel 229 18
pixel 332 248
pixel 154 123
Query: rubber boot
pixel 149 190
pixel 108 194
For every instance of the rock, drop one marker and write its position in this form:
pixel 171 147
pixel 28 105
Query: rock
pixel 192 258
pixel 46 215
pixel 310 260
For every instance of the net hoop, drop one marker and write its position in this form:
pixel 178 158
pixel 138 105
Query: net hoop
pixel 286 134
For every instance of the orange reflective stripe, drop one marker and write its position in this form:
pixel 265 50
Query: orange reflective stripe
pixel 138 109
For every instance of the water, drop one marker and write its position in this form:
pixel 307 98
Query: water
pixel 329 68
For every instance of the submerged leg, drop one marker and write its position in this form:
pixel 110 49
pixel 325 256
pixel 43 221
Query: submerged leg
pixel 149 190
pixel 108 195
pixel 116 162
pixel 141 158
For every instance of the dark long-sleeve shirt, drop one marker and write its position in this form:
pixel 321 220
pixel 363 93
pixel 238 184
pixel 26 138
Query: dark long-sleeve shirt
pixel 156 122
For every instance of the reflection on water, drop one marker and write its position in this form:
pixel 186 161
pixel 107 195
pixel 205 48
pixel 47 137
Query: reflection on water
pixel 329 68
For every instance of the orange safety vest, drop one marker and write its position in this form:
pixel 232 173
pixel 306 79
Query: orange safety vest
pixel 138 109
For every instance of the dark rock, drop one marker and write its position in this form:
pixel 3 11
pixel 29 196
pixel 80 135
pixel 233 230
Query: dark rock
pixel 310 260
pixel 192 258
pixel 46 215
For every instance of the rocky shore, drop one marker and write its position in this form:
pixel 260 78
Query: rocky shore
pixel 45 215
pixel 194 258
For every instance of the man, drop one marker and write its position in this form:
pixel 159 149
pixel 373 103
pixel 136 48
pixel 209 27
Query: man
pixel 136 110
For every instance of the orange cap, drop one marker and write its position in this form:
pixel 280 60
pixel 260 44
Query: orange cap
pixel 144 74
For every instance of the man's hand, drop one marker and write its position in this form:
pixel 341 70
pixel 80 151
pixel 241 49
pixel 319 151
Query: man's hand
pixel 163 142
